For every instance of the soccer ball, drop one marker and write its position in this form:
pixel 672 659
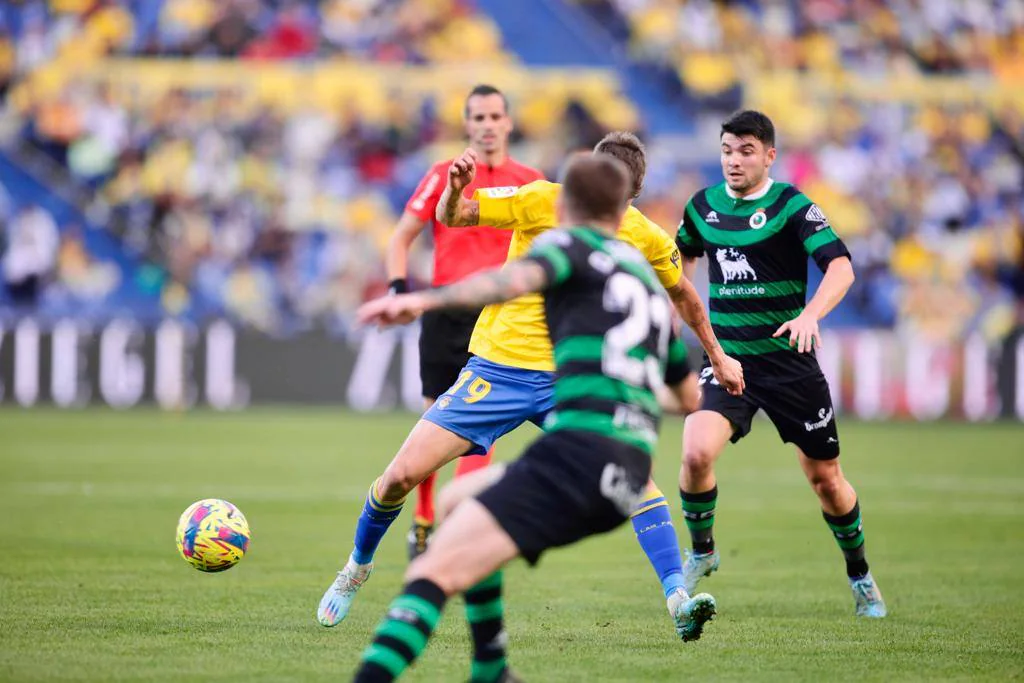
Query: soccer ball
pixel 212 535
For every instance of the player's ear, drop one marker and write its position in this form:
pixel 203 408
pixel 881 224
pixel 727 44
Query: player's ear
pixel 771 156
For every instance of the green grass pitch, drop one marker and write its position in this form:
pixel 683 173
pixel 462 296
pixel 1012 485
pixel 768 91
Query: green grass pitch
pixel 91 587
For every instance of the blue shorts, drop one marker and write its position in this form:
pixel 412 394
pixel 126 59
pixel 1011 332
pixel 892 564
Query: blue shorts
pixel 489 400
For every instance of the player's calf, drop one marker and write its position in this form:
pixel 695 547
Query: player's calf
pixel 427 448
pixel 465 556
pixel 652 522
pixel 841 511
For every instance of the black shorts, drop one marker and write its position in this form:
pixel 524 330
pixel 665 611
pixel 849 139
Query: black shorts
pixel 566 486
pixel 801 410
pixel 444 348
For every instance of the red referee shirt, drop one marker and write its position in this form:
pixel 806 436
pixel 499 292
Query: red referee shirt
pixel 459 252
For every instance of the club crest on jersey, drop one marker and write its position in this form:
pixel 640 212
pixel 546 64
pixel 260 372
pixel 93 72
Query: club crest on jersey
pixel 816 215
pixel 759 219
pixel 712 217
pixel 734 265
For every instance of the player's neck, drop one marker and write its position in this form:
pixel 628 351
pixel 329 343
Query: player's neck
pixel 604 227
pixel 756 192
pixel 493 159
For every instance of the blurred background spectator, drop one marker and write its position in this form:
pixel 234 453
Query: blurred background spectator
pixel 30 256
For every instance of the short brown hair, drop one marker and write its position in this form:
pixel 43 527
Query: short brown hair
pixel 628 149
pixel 482 90
pixel 595 187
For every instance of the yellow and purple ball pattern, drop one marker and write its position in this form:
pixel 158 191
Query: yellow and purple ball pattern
pixel 213 535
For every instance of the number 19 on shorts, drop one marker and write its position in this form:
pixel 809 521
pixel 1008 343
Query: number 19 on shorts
pixel 477 390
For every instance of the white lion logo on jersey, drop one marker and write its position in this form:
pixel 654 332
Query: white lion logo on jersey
pixel 734 265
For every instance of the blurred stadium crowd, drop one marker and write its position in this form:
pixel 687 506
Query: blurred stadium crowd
pixel 261 179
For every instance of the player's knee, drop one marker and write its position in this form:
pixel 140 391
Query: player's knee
pixel 698 458
pixel 827 483
pixel 396 483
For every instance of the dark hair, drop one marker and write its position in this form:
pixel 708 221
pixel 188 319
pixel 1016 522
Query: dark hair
pixel 628 149
pixel 595 187
pixel 483 90
pixel 750 122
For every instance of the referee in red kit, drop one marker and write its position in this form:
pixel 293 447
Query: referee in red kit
pixel 458 252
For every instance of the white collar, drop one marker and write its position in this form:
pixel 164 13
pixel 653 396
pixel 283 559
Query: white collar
pixel 750 197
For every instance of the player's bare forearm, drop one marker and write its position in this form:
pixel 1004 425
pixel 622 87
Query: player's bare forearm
pixel 838 279
pixel 396 258
pixel 452 208
pixel 680 399
pixel 490 287
pixel 455 210
pixel 728 371
pixel 691 309
pixel 689 267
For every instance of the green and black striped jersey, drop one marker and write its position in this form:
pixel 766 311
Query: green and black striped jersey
pixel 757 263
pixel 611 327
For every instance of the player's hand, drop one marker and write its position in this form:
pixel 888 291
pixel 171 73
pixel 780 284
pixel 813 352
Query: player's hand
pixel 803 333
pixel 729 373
pixel 398 309
pixel 462 171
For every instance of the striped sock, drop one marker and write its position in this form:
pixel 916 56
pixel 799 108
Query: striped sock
pixel 849 533
pixel 652 522
pixel 373 523
pixel 699 513
pixel 403 635
pixel 485 612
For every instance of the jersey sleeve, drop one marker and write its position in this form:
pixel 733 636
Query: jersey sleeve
pixel 424 200
pixel 662 254
pixel 816 234
pixel 520 208
pixel 688 238
pixel 677 366
pixel 558 253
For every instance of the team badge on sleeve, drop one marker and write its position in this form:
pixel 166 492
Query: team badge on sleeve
pixel 816 215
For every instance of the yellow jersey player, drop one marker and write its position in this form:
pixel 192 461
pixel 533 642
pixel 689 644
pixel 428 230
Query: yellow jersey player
pixel 510 378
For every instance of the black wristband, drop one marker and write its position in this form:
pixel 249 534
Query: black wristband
pixel 398 286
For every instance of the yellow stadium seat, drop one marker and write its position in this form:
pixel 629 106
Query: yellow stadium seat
pixel 192 14
pixel 707 73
